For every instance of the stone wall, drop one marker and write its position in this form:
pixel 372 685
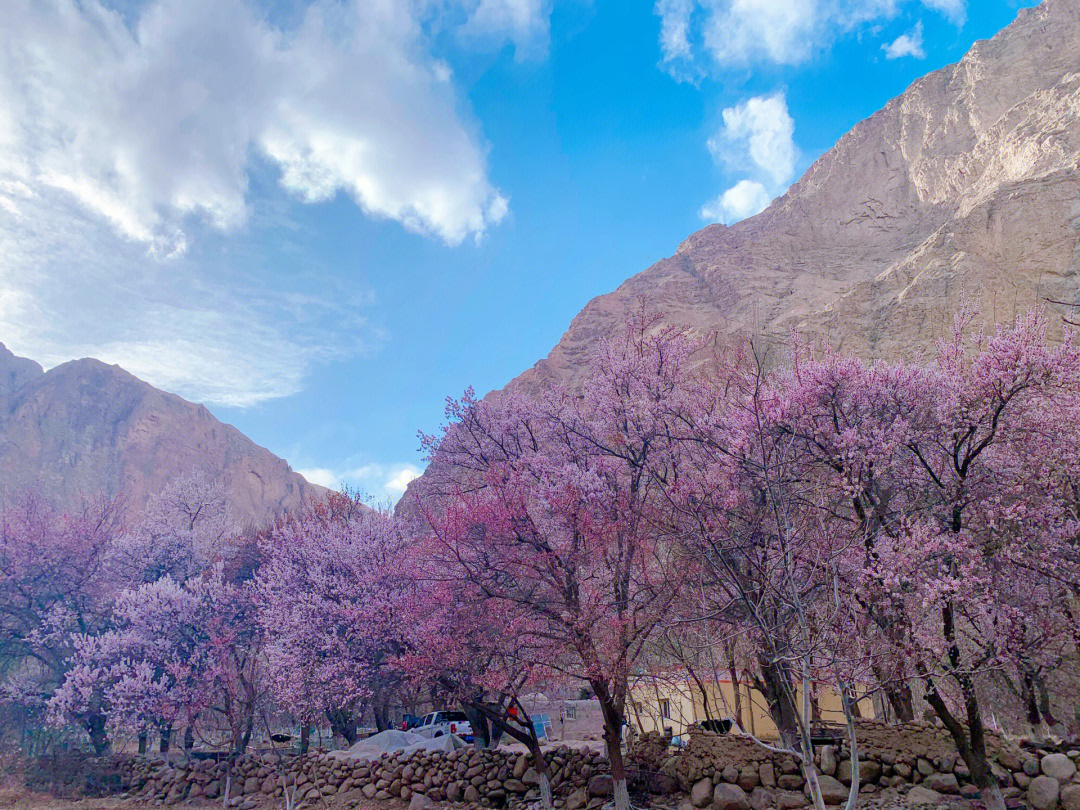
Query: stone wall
pixel 730 772
pixel 489 778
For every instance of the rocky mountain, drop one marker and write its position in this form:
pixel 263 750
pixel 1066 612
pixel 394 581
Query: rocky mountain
pixel 85 427
pixel 967 184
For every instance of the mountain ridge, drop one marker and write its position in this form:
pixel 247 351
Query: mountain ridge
pixel 84 427
pixel 965 185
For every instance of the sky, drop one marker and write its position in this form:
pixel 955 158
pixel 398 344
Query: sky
pixel 321 218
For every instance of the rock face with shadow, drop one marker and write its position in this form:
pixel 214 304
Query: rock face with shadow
pixel 968 184
pixel 84 428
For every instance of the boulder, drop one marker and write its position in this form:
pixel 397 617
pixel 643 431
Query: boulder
pixel 729 797
pixel 942 783
pixel 767 774
pixel 748 778
pixel 762 798
pixel 869 771
pixel 420 802
pixel 576 800
pixel 661 784
pixel 369 790
pixel 791 781
pixel 521 765
pixel 471 795
pixel 789 800
pixel 730 774
pixel 1043 793
pixel 701 792
pixel 832 790
pixel 600 786
pixel 252 785
pixel 828 760
pixel 921 796
pixel 1058 766
pixel 516 786
pixel 1070 797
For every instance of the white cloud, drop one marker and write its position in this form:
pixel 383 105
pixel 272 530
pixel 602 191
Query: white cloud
pixel 674 28
pixel 150 123
pixel 762 129
pixel 744 199
pixel 378 480
pixel 909 44
pixel 523 22
pixel 130 143
pixel 954 10
pixel 738 33
pixel 757 137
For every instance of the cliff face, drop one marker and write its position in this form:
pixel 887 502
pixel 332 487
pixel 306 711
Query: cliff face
pixel 967 184
pixel 84 428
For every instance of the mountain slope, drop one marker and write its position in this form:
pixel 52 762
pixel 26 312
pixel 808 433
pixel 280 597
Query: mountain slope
pixel 84 427
pixel 968 183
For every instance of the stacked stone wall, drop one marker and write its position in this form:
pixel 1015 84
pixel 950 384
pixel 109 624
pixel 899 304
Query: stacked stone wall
pixel 488 778
pixel 731 772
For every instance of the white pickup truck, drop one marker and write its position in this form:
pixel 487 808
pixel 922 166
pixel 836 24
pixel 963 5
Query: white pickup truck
pixel 437 724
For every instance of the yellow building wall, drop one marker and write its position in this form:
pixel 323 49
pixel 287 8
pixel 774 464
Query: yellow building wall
pixel 674 705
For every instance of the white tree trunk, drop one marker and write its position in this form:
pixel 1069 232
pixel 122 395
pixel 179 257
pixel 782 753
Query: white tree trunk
pixel 622 795
pixel 545 792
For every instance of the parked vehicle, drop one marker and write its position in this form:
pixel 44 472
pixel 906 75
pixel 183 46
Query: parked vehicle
pixel 437 724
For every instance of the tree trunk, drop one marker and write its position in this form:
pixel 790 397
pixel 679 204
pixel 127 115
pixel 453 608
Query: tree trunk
pixel 305 738
pixel 189 737
pixel 779 693
pixel 165 739
pixel 480 726
pixel 343 723
pixel 902 702
pixel 99 737
pixel 142 743
pixel 736 688
pixel 613 740
pixel 542 769
pixel 970 741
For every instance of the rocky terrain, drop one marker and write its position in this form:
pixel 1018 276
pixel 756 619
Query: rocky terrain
pixel 84 428
pixel 905 766
pixel 965 185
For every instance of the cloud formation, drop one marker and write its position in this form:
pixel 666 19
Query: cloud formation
pixel 697 36
pixel 133 139
pixel 744 199
pixel 376 480
pixel 909 44
pixel 150 123
pixel 758 135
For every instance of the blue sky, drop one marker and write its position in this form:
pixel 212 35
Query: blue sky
pixel 322 218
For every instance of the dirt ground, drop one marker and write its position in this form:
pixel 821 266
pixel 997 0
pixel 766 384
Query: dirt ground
pixel 11 799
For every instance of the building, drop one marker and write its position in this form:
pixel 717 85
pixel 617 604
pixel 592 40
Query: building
pixel 674 702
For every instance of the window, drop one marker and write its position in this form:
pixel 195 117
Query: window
pixel 571 712
pixel 665 709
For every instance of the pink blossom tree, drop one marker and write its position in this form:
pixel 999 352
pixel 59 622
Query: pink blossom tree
pixel 332 586
pixel 959 480
pixel 54 583
pixel 179 653
pixel 548 505
pixel 477 651
pixel 762 562
pixel 183 529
